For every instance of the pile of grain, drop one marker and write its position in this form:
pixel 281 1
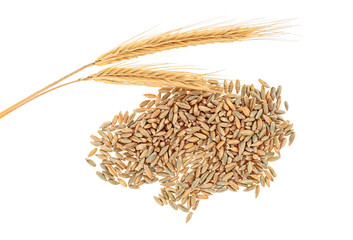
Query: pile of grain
pixel 196 143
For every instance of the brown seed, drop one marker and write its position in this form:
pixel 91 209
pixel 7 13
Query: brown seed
pixel 272 159
pixel 144 103
pixel 183 105
pixel 113 182
pixel 207 185
pixel 101 176
pixel 173 205
pixel 273 93
pixel 194 207
pixel 151 157
pixel 92 152
pixel 267 181
pixel 94 138
pixel 91 162
pixel 150 95
pixel 148 172
pixel 257 191
pixel 237 86
pixel 263 83
pixel 106 124
pixel 234 185
pixel 247 132
pixel 291 138
pixel 286 105
pixel 122 182
pixel 201 196
pixel 248 189
pixel 189 216
pixel 262 181
pixel 255 95
pixel 225 86
pixel 158 200
pixel 279 91
pixel 182 208
pixel 230 87
pixel 268 175
pixel 272 171
pixel 144 132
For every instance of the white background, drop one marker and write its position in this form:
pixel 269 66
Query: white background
pixel 48 191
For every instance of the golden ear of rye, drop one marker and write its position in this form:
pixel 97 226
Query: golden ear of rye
pixel 153 77
pixel 179 38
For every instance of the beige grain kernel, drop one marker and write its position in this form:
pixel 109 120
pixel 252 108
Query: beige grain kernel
pixel 263 83
pixel 91 162
pixel 291 139
pixel 257 191
pixel 150 95
pixel 158 200
pixel 92 152
pixel 189 216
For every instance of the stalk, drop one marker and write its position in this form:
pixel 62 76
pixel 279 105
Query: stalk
pixel 41 92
